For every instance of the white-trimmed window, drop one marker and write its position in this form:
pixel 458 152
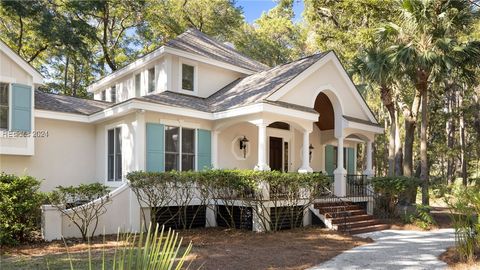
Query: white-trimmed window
pixel 113 94
pixel 104 95
pixel 138 84
pixel 4 105
pixel 151 80
pixel 114 154
pixel 188 77
pixel 179 149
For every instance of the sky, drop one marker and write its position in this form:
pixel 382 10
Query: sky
pixel 252 9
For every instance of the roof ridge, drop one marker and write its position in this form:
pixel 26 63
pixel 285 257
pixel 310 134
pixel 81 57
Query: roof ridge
pixel 82 98
pixel 227 47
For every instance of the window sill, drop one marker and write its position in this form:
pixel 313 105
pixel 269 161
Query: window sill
pixel 113 184
pixel 188 92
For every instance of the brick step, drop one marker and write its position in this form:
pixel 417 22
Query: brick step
pixel 358 224
pixel 347 213
pixel 326 209
pixel 372 228
pixel 351 219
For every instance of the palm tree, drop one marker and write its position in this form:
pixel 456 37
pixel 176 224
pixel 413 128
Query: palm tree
pixel 375 66
pixel 425 45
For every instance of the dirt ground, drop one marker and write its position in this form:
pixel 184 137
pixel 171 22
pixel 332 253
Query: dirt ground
pixel 440 214
pixel 452 259
pixel 213 248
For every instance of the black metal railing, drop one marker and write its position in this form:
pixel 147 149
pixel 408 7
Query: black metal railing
pixel 357 185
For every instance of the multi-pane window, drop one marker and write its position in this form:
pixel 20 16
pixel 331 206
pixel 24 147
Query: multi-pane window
pixel 113 94
pixel 151 80
pixel 138 84
pixel 188 73
pixel 114 154
pixel 179 149
pixel 104 95
pixel 4 105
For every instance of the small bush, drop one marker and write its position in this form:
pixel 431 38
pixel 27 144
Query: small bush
pixel 422 217
pixel 464 204
pixel 20 203
pixel 391 190
pixel 75 202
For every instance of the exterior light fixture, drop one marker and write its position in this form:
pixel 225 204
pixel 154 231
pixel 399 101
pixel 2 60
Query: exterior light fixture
pixel 243 146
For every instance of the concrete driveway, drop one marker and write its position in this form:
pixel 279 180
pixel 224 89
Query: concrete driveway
pixel 396 249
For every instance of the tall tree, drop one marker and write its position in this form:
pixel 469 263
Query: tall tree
pixel 426 44
pixel 165 19
pixel 274 38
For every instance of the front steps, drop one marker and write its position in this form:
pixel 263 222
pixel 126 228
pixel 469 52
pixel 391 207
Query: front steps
pixel 347 217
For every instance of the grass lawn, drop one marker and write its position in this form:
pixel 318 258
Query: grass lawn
pixel 213 248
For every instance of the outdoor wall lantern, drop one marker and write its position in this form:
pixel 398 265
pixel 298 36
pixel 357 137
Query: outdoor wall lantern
pixel 310 148
pixel 243 146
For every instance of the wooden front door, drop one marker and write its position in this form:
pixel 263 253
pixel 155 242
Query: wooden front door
pixel 276 153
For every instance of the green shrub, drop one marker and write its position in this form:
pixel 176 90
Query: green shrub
pixel 464 204
pixel 20 203
pixel 74 203
pixel 422 217
pixel 225 187
pixel 390 190
pixel 157 249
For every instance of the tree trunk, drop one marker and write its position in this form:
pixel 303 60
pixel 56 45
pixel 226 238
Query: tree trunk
pixel 450 129
pixel 423 147
pixel 65 76
pixel 398 147
pixel 410 116
pixel 387 100
pixel 462 139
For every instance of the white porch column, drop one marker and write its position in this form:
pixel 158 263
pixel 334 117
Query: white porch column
pixel 215 149
pixel 305 153
pixel 368 170
pixel 262 147
pixel 340 173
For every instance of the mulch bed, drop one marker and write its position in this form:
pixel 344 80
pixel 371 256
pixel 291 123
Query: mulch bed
pixel 217 248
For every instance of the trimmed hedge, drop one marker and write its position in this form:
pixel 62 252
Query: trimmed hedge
pixel 390 190
pixel 20 203
pixel 289 192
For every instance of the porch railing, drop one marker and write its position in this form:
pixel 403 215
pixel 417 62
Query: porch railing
pixel 357 185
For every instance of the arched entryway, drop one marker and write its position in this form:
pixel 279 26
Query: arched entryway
pixel 324 107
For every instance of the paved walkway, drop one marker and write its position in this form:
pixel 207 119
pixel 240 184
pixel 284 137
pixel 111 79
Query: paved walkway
pixel 395 249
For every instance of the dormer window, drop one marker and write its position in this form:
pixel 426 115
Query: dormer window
pixel 151 80
pixel 188 75
pixel 113 94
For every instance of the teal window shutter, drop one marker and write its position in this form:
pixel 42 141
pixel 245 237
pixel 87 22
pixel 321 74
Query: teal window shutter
pixel 155 148
pixel 329 159
pixel 351 161
pixel 204 150
pixel 21 108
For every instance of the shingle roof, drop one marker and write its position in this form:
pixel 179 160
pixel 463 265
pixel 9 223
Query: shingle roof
pixel 197 42
pixel 177 100
pixel 244 91
pixel 68 104
pixel 259 86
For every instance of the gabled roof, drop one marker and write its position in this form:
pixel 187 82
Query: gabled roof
pixel 197 45
pixel 68 104
pixel 196 42
pixel 36 76
pixel 257 87
pixel 245 91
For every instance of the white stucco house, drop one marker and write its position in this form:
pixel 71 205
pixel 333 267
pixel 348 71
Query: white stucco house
pixel 185 106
